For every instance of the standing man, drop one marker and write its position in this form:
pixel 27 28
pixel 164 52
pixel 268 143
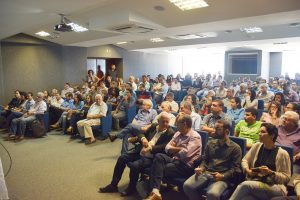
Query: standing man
pixel 220 165
pixel 113 73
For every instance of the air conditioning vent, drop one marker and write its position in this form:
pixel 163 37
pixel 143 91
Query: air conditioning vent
pixel 132 28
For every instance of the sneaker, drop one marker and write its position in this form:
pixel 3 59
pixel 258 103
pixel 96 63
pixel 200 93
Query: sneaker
pixel 108 189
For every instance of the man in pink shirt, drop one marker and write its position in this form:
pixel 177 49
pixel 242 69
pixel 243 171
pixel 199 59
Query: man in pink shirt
pixel 182 151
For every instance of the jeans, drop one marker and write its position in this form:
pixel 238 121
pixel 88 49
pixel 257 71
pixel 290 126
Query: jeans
pixel 249 190
pixel 194 186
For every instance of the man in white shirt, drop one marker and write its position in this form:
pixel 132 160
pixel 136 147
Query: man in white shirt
pixel 174 104
pixel 18 125
pixel 175 85
pixel 96 111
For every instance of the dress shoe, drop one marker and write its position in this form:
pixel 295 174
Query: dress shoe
pixel 108 189
pixel 112 138
pixel 54 126
pixel 153 196
pixel 128 191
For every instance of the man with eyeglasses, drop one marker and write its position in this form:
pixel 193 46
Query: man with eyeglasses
pixel 209 121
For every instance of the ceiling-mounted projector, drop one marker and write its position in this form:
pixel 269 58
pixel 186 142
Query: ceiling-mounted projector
pixel 63 28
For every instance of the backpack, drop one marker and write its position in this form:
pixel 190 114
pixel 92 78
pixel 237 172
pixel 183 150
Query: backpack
pixel 38 129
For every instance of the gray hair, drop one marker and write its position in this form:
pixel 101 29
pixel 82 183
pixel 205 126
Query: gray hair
pixel 40 94
pixel 148 102
pixel 292 114
pixel 164 114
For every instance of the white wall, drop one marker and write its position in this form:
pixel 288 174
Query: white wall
pixel 265 65
pixel 1 80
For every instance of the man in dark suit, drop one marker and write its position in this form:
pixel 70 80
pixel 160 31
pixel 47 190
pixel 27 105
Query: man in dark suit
pixel 153 141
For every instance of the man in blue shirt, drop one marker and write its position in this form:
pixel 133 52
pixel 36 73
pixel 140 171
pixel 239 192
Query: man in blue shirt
pixel 144 117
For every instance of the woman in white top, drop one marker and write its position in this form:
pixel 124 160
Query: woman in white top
pixel 250 100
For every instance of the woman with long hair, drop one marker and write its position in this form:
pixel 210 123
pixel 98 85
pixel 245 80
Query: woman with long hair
pixel 273 114
pixel 250 100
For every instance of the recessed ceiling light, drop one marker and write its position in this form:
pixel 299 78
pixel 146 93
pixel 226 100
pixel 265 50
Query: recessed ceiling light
pixel 77 28
pixel 121 42
pixel 156 40
pixel 189 4
pixel 254 29
pixel 42 34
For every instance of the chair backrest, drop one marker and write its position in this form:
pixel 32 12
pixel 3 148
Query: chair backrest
pixel 290 151
pixel 130 114
pixel 242 142
pixel 204 139
pixel 260 112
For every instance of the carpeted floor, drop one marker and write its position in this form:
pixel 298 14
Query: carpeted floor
pixel 55 167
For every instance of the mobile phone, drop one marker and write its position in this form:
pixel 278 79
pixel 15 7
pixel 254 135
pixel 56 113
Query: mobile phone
pixel 257 169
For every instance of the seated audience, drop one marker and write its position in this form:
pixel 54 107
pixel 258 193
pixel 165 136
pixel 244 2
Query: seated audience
pixel 289 94
pixel 186 108
pixel 221 92
pixel 153 141
pixel 144 117
pixel 96 111
pixel 14 103
pixel 18 125
pixel 145 83
pixel 250 100
pixel 57 113
pixel 273 114
pixel 160 90
pixel 67 89
pixel 227 99
pixel 182 151
pixel 120 112
pixel 236 113
pixel 289 135
pixel 267 168
pixel 174 104
pixel 209 121
pixel 220 165
pixel 25 107
pixel 91 78
pixel 175 85
pixel 165 108
pixel 264 94
pixel 79 115
pixel 249 127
